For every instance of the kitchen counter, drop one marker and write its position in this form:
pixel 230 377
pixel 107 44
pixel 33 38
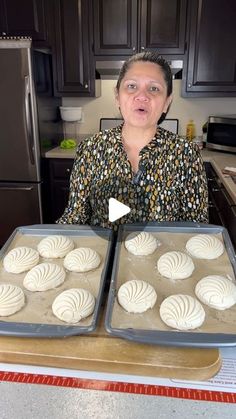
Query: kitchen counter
pixel 218 160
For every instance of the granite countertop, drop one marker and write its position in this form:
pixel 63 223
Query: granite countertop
pixel 218 160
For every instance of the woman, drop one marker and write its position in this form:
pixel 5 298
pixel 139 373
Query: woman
pixel 159 175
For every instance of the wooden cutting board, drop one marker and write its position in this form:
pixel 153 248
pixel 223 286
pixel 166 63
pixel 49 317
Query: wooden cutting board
pixel 104 353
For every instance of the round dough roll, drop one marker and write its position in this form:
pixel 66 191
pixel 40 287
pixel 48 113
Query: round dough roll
pixel 43 277
pixel 182 312
pixel 20 259
pixel 205 246
pixel 175 265
pixel 216 291
pixel 82 259
pixel 12 299
pixel 55 246
pixel 136 296
pixel 73 305
pixel 141 244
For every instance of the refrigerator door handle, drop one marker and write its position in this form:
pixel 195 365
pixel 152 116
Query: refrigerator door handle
pixel 20 188
pixel 28 115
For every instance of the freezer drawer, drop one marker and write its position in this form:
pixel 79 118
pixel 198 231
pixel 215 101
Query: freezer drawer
pixel 20 205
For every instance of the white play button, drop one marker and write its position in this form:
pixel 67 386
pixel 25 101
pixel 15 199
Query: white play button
pixel 117 210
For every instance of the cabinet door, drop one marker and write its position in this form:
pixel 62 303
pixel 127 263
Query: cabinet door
pixel 60 170
pixel 24 18
pixel 163 24
pixel 211 58
pixel 60 198
pixel 115 27
pixel 74 70
pixel 20 205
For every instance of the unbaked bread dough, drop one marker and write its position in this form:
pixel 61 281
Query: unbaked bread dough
pixel 12 299
pixel 175 265
pixel 216 291
pixel 44 276
pixel 136 296
pixel 182 312
pixel 205 246
pixel 73 305
pixel 82 259
pixel 20 259
pixel 55 246
pixel 141 244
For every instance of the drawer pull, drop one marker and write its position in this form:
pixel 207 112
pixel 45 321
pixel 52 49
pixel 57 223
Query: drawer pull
pixel 68 170
pixel 215 190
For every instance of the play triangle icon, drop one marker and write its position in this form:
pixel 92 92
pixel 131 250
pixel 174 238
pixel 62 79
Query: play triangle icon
pixel 117 210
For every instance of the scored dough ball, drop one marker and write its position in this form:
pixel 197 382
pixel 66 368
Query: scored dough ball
pixel 82 259
pixel 216 292
pixel 12 299
pixel 73 305
pixel 205 246
pixel 175 265
pixel 141 244
pixel 20 259
pixel 55 246
pixel 182 312
pixel 136 296
pixel 44 276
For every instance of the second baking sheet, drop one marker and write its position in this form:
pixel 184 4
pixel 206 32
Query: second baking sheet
pixel 148 326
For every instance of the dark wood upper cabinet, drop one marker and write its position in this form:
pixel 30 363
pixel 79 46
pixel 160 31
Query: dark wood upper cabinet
pixel 73 65
pixel 210 69
pixel 124 27
pixel 163 24
pixel 24 18
pixel 115 27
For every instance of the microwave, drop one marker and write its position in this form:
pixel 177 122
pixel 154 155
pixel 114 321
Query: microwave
pixel 221 133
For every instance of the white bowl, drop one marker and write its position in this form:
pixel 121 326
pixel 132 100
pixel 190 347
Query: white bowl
pixel 71 114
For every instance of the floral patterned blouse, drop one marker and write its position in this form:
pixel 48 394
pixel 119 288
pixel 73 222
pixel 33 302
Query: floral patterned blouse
pixel 170 184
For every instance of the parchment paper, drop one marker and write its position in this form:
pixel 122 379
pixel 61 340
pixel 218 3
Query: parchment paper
pixel 145 268
pixel 38 304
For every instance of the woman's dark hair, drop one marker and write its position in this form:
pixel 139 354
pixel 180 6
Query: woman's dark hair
pixel 151 57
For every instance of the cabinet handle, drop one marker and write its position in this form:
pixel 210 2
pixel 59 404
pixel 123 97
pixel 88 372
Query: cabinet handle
pixel 134 48
pixel 215 190
pixel 86 85
pixel 189 85
pixel 68 170
pixel 142 48
pixel 4 33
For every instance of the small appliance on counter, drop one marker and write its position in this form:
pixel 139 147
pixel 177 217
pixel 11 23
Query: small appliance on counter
pixel 71 117
pixel 221 133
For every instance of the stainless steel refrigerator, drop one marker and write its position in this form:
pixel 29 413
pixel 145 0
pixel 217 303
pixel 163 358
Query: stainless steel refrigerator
pixel 20 174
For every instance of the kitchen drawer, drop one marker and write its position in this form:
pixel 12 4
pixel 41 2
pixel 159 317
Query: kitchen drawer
pixel 61 168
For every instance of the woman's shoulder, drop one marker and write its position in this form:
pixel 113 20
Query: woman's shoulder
pixel 101 139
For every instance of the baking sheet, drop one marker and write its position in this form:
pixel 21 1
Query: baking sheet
pixel 36 317
pixel 219 328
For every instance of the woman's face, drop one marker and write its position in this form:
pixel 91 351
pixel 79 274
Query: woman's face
pixel 142 97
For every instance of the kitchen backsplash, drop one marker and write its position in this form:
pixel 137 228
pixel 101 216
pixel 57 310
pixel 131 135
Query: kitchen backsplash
pixel 184 109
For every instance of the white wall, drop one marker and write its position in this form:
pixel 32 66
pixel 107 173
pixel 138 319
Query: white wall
pixel 184 109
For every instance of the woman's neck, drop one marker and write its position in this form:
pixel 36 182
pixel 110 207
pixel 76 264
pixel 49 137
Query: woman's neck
pixel 137 138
